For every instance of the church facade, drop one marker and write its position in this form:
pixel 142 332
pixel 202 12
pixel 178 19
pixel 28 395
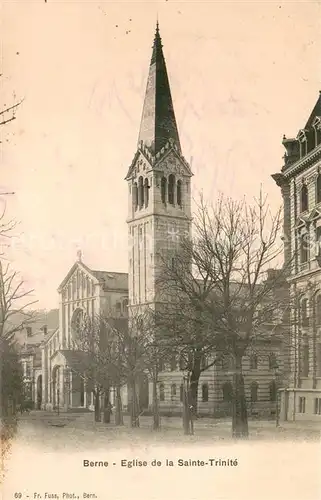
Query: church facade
pixel 300 183
pixel 159 211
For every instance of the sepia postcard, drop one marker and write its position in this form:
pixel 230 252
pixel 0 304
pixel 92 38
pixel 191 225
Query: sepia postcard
pixel 160 250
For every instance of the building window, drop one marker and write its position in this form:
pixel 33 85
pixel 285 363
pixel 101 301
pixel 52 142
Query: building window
pixel 171 188
pixel 179 193
pixel 301 404
pixel 146 192
pixel 135 196
pixel 162 392
pixel 318 359
pixel 205 393
pixel 304 244
pixel 164 189
pixel 304 198
pixel 181 393
pixel 227 390
pixel 304 313
pixel 253 362
pixel 118 308
pixel 305 357
pixel 272 362
pixel 254 392
pixel 318 310
pixel 318 189
pixel 140 192
pixel 173 363
pixel 317 406
pixel 173 391
pixel 318 241
pixel 273 391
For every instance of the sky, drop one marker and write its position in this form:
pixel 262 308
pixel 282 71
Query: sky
pixel 242 74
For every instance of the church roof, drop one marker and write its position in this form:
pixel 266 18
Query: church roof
pixel 112 280
pixel 115 281
pixel 158 123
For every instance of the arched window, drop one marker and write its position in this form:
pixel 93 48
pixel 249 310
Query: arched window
pixel 181 392
pixel 304 198
pixel 135 196
pixel 318 189
pixel 125 305
pixel 272 361
pixel 227 390
pixel 118 308
pixel 173 391
pixel 253 362
pixel 179 193
pixel 146 192
pixel 140 192
pixel 79 324
pixel 161 392
pixel 173 362
pixel 318 309
pixel 205 393
pixel 164 189
pixel 254 392
pixel 273 390
pixel 171 189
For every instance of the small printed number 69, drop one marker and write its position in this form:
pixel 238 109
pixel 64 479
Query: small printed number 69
pixel 18 495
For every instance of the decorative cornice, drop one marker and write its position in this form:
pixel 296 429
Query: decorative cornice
pixel 301 164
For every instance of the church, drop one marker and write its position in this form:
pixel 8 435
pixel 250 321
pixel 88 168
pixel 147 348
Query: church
pixel 159 207
pixel 300 183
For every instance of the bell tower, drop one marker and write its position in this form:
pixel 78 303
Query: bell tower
pixel 159 186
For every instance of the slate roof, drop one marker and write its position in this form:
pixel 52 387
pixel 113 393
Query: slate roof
pixel 158 123
pixel 114 281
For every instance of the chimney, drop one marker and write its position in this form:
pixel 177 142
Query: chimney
pixel 29 331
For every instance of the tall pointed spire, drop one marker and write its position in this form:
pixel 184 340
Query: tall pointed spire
pixel 158 124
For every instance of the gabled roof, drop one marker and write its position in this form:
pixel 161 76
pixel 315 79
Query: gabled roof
pixel 111 280
pixel 79 264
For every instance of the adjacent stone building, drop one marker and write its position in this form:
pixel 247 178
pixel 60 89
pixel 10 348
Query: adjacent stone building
pixel 300 183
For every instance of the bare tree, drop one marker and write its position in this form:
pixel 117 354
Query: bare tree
pixel 220 295
pixel 94 347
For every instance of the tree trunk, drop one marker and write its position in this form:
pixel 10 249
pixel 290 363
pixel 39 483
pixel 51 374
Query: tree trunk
pixel 107 407
pixel 239 410
pixel 134 410
pixel 156 416
pixel 97 406
pixel 193 390
pixel 187 416
pixel 118 411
